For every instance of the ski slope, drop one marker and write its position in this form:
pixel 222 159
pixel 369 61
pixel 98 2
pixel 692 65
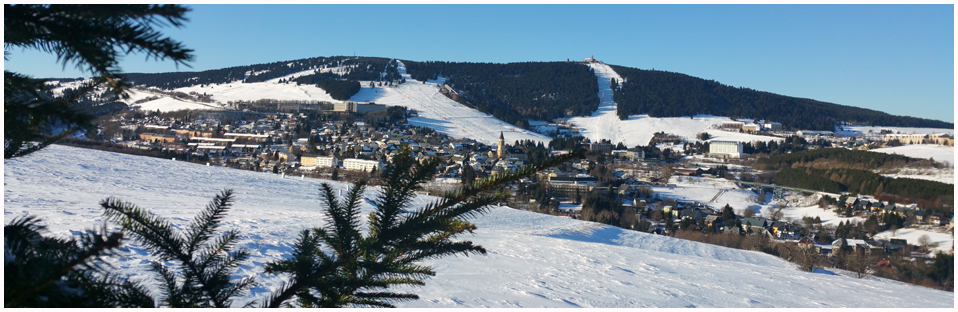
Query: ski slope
pixel 435 110
pixel 456 120
pixel 638 129
pixel 534 260
pixel 442 114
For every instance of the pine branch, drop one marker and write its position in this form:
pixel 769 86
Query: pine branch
pixel 96 245
pixel 154 232
pixel 206 223
pixel 396 239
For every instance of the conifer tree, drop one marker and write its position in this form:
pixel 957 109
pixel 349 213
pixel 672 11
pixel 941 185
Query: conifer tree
pixel 43 271
pixel 205 261
pixel 48 272
pixel 93 37
pixel 337 265
pixel 334 265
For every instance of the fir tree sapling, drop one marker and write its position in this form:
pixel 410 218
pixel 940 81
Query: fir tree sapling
pixel 205 261
pixel 337 265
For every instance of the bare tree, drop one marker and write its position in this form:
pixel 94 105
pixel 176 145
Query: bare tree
pixel 858 263
pixel 778 214
pixel 924 241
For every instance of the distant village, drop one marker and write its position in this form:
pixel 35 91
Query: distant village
pixel 356 140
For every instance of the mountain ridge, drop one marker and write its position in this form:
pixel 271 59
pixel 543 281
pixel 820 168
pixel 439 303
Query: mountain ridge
pixel 520 93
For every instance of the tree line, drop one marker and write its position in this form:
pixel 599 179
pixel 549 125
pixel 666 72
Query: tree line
pixel 339 89
pixel 362 68
pixel 517 92
pixel 668 94
pixel 837 157
pixel 866 182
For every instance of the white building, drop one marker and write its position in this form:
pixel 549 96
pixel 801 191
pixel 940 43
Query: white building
pixel 813 134
pixel 905 138
pixel 318 161
pixel 361 164
pixel 773 126
pixel 725 149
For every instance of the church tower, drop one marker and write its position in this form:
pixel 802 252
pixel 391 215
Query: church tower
pixel 501 149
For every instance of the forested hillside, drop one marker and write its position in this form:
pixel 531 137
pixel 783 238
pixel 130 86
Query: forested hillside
pixel 360 68
pixel 516 92
pixel 667 94
pixel 838 158
pixel 928 194
pixel 519 92
pixel 838 170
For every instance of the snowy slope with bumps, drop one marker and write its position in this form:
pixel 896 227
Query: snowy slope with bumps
pixel 534 260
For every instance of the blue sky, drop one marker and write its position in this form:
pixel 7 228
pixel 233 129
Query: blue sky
pixel 893 58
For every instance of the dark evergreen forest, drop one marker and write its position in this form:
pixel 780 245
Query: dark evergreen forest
pixel 517 92
pixel 668 94
pixel 838 158
pixel 362 68
pixel 838 170
pixel 338 89
pixel 925 193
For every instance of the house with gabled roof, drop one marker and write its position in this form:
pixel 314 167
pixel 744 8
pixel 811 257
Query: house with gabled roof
pixel 806 243
pixel 710 219
pixel 852 202
pixel 937 219
pixel 887 209
pixel 784 230
pixel 755 225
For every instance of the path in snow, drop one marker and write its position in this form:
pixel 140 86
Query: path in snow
pixel 604 123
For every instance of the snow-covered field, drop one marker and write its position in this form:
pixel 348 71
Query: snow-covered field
pixel 940 153
pixel 829 217
pixel 638 129
pixel 943 241
pixel 534 260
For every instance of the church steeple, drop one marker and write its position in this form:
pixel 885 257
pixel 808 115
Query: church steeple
pixel 501 148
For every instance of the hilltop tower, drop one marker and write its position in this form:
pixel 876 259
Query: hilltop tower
pixel 501 149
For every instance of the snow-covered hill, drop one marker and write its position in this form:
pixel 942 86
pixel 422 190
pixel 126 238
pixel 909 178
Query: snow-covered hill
pixel 443 114
pixel 939 153
pixel 435 110
pixel 926 151
pixel 534 260
pixel 638 129
pixel 453 119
